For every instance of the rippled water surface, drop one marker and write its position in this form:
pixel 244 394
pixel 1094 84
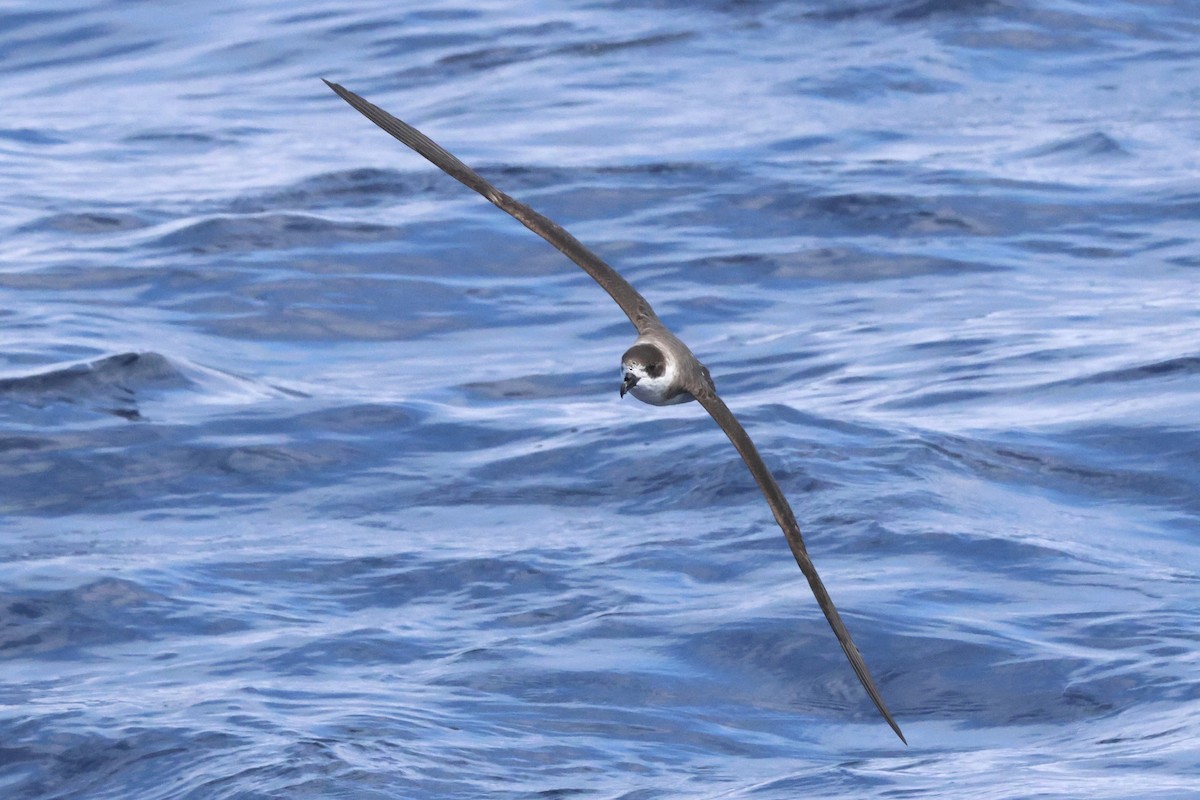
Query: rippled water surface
pixel 314 477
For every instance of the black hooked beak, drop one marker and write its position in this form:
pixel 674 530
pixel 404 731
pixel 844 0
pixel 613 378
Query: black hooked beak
pixel 628 383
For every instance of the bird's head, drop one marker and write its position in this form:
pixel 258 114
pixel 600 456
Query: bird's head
pixel 646 374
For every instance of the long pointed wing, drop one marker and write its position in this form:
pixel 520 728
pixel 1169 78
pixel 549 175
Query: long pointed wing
pixel 643 318
pixel 633 304
pixel 720 412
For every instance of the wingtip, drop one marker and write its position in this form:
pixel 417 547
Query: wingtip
pixel 880 706
pixel 884 712
pixel 896 728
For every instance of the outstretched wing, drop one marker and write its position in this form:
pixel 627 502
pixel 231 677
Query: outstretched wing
pixel 633 304
pixel 716 407
pixel 644 319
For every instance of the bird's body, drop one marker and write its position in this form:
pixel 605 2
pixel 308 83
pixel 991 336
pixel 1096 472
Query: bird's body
pixel 658 369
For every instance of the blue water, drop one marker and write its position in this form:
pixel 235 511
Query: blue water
pixel 313 473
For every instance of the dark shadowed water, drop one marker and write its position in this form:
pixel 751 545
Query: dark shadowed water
pixel 313 473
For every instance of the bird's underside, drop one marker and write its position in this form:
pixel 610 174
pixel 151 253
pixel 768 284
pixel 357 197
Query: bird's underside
pixel 691 376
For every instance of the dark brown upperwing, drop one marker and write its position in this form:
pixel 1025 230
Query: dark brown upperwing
pixel 633 304
pixel 720 412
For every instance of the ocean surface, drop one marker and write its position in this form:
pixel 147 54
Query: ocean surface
pixel 314 477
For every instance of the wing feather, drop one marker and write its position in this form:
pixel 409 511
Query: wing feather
pixel 631 302
pixel 720 412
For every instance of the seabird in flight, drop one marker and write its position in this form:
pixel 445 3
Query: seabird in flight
pixel 658 369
